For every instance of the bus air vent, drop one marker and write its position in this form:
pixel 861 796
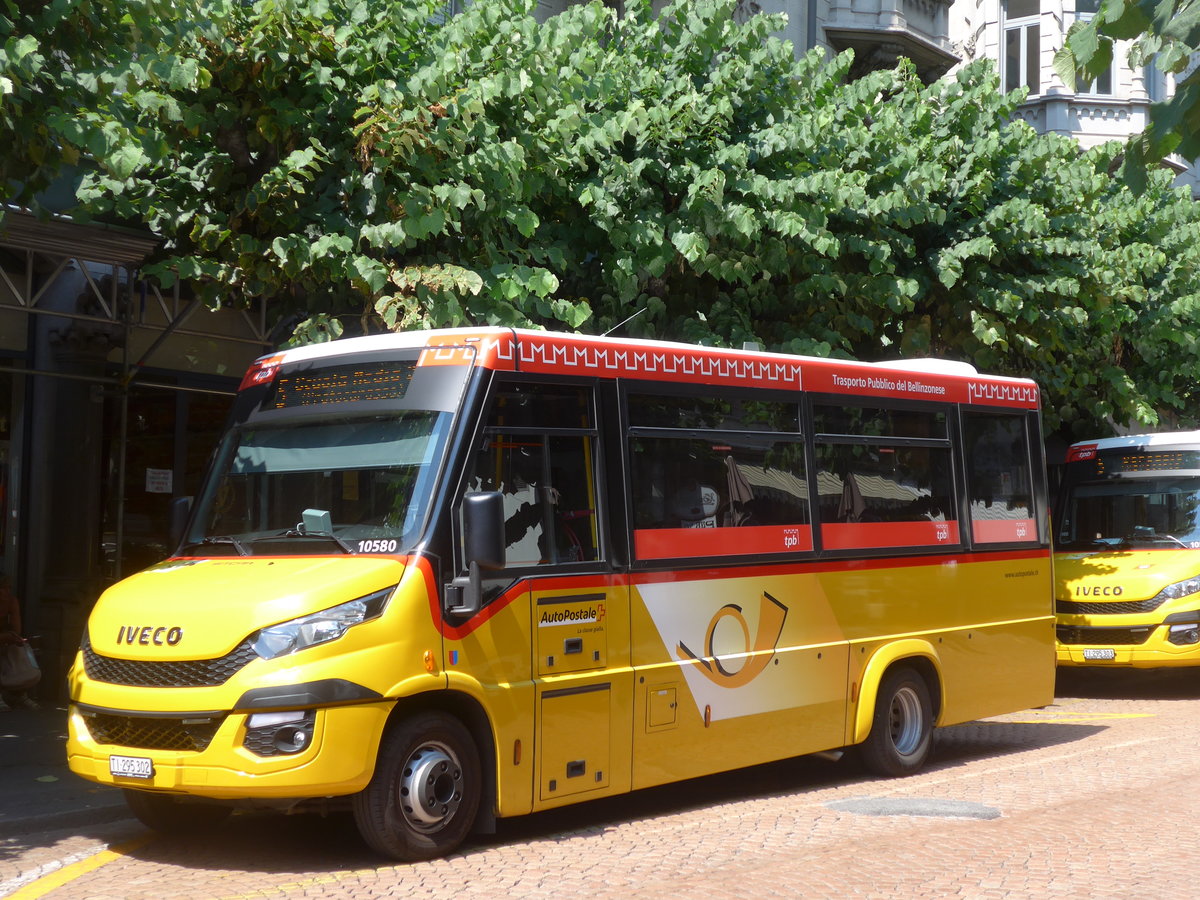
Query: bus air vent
pixel 168 673
pixel 1105 637
pixel 1111 608
pixel 151 733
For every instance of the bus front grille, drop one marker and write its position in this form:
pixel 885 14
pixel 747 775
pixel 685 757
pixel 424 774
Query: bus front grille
pixel 151 733
pixel 1113 608
pixel 1108 637
pixel 168 673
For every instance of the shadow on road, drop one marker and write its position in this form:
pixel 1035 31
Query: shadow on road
pixel 310 846
pixel 272 844
pixel 1128 684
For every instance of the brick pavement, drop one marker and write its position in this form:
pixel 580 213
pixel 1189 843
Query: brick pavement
pixel 1095 795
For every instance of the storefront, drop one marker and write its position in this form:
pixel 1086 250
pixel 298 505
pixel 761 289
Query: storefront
pixel 112 394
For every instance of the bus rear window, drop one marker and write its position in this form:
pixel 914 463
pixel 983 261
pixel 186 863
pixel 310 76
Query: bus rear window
pixel 999 480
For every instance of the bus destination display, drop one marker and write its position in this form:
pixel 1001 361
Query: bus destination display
pixel 355 383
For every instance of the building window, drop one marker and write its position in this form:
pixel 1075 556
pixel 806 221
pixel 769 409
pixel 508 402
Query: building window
pixel 1022 45
pixel 1085 11
pixel 1156 83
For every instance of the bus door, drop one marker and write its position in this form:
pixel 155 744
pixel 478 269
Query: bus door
pixel 540 451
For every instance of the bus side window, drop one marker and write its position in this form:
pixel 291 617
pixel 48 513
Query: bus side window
pixel 717 477
pixel 884 477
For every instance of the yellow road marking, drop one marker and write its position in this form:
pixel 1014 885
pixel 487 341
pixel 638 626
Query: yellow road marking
pixel 1065 716
pixel 67 874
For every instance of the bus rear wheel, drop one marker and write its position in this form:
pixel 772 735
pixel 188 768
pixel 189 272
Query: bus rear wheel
pixel 170 815
pixel 902 727
pixel 421 801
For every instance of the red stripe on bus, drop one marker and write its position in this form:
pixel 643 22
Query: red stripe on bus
pixel 675 543
pixel 1003 531
pixel 552 354
pixel 863 535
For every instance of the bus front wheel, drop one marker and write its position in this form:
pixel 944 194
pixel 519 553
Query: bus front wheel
pixel 422 799
pixel 902 727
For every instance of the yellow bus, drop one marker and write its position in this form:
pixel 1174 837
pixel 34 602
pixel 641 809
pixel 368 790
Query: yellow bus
pixel 1127 552
pixel 444 577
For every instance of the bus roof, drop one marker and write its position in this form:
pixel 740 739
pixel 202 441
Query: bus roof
pixel 1166 440
pixel 554 353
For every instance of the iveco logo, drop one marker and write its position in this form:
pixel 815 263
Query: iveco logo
pixel 1084 591
pixel 149 634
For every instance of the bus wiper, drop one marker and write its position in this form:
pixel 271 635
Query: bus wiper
pixel 328 535
pixel 227 539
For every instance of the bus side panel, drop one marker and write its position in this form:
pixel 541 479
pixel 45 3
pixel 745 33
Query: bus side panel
pixel 987 622
pixel 583 689
pixel 490 662
pixel 996 669
pixel 551 669
pixel 733 671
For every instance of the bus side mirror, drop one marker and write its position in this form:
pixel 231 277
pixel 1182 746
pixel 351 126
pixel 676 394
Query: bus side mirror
pixel 483 542
pixel 181 508
pixel 483 529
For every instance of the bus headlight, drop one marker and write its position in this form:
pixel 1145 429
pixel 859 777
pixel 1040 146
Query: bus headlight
pixel 1178 589
pixel 319 628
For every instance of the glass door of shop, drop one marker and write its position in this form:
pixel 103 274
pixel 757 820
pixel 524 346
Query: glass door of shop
pixel 155 451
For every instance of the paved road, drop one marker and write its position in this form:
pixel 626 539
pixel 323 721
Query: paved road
pixel 1093 797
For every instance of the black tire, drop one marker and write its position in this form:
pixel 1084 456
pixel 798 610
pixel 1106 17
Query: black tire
pixel 170 815
pixel 422 799
pixel 902 727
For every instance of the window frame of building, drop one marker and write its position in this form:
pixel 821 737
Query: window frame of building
pixel 1027 29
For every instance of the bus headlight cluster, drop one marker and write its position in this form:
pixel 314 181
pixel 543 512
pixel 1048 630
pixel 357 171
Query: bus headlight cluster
pixel 1178 589
pixel 319 628
pixel 275 733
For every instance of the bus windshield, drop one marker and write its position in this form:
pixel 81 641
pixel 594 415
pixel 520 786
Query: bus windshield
pixel 1128 513
pixel 355 484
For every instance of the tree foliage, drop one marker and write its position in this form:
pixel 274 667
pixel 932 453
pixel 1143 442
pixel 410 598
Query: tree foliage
pixel 1165 32
pixel 376 161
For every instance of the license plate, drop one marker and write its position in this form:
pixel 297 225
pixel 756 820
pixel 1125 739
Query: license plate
pixel 1100 653
pixel 130 767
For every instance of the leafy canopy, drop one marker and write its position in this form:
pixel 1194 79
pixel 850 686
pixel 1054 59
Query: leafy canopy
pixel 374 162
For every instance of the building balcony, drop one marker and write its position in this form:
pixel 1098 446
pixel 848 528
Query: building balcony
pixel 880 32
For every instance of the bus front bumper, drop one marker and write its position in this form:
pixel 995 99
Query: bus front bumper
pixel 1169 644
pixel 240 760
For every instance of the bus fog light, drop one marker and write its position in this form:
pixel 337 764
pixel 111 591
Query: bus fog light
pixel 1184 634
pixel 279 733
pixel 290 739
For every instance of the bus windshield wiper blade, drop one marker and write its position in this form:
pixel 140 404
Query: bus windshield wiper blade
pixel 227 539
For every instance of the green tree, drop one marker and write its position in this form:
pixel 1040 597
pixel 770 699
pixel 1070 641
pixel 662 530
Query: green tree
pixel 375 161
pixel 1166 32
